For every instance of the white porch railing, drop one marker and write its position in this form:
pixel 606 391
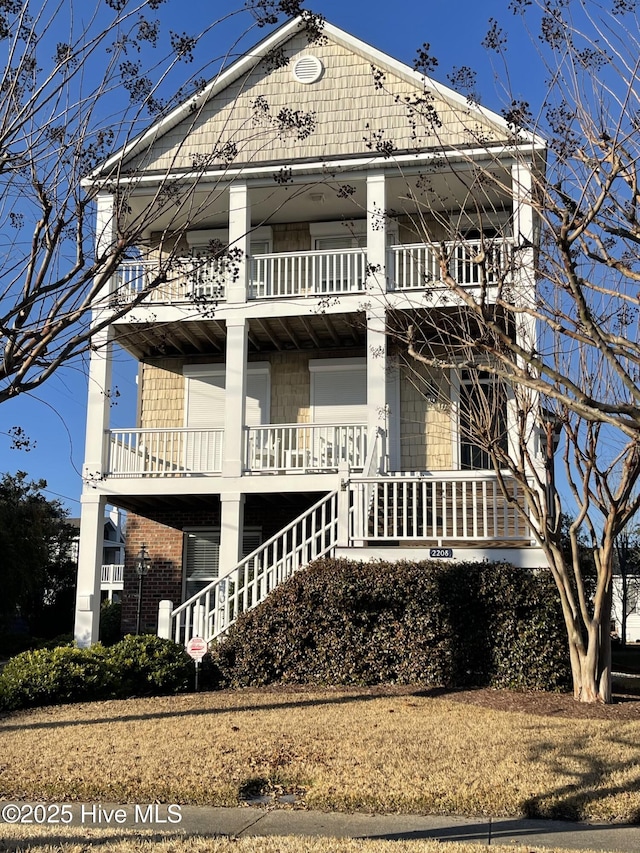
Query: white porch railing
pixel 308 273
pixel 416 265
pixel 313 273
pixel 188 280
pixel 303 447
pixel 136 452
pixel 451 506
pixel 112 574
pixel 215 608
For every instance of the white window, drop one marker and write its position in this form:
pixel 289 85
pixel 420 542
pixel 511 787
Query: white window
pixel 204 395
pixel 201 555
pixel 338 391
pixel 204 410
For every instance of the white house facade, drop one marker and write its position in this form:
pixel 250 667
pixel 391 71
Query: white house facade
pixel 279 419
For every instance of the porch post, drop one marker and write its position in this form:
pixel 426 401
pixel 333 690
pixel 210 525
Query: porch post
pixel 377 234
pixel 231 527
pixel 239 242
pixel 87 619
pixel 524 272
pixel 234 397
pixel 93 504
pixel 165 608
pixel 376 316
pixel 377 384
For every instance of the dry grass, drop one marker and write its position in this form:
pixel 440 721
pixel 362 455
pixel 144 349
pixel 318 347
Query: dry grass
pixel 360 750
pixel 68 841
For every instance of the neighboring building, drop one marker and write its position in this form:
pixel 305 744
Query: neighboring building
pixel 275 411
pixel 627 630
pixel 112 559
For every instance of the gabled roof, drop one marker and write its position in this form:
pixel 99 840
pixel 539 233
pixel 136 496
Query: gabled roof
pixel 364 93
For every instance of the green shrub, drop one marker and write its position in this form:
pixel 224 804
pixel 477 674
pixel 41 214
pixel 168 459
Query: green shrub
pixel 54 676
pixel 341 622
pixel 136 666
pixel 146 665
pixel 110 622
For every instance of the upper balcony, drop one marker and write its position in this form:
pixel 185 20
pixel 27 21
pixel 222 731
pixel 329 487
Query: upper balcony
pixel 318 274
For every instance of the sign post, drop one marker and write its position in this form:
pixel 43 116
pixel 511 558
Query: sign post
pixel 197 649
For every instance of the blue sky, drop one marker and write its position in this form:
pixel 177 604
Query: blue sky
pixel 53 416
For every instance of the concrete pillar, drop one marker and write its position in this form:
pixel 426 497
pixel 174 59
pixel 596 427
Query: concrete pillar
pixel 231 527
pixel 87 620
pixel 234 397
pixel 239 242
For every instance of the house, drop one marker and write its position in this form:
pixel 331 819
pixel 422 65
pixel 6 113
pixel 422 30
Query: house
pixel 113 547
pixel 278 417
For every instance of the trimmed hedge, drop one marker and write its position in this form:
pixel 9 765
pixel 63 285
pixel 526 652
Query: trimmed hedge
pixel 136 666
pixel 433 623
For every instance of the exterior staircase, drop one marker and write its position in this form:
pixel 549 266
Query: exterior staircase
pixel 211 612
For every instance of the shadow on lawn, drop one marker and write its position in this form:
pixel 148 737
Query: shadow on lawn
pixel 590 780
pixel 82 840
pixel 8 726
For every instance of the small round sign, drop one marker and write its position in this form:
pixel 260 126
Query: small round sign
pixel 197 648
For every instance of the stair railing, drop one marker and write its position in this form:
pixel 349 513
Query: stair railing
pixel 211 612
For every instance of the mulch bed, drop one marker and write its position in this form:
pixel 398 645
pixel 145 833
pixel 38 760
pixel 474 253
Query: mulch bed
pixel 547 704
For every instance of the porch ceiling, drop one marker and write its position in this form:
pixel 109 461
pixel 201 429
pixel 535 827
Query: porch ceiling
pixel 206 337
pixel 328 196
pixel 148 505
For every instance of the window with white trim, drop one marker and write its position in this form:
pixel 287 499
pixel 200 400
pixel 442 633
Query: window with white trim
pixel 338 390
pixel 482 417
pixel 201 555
pixel 205 392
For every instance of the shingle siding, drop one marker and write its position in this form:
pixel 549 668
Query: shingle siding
pixel 231 116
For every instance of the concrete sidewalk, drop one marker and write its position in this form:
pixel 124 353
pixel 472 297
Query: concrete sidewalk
pixel 253 821
pixel 263 821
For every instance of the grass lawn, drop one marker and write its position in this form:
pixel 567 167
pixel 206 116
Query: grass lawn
pixel 383 750
pixel 68 841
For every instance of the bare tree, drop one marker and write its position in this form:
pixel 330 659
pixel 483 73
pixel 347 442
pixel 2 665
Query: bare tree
pixel 534 284
pixel 80 83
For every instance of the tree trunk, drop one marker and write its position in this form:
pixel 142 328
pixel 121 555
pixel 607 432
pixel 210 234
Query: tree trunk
pixel 591 667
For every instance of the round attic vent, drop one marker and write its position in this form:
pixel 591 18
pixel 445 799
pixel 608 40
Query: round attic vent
pixel 307 69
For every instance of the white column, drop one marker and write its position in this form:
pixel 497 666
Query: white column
pixel 377 383
pixel 376 326
pixel 524 235
pixel 98 407
pixel 377 234
pixel 231 527
pixel 239 241
pixel 92 518
pixel 87 620
pixel 234 396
